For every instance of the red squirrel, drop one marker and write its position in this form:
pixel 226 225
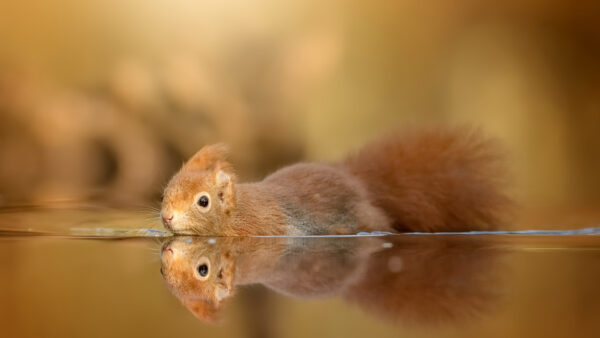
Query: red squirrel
pixel 413 181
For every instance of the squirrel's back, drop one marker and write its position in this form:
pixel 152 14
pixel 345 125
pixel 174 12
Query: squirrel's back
pixel 321 199
pixel 434 179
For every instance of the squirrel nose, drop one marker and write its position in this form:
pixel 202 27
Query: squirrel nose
pixel 167 218
pixel 167 249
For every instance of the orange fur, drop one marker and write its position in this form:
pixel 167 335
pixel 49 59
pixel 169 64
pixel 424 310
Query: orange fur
pixel 427 180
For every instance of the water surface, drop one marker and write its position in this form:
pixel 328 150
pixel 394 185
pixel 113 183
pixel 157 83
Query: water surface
pixel 97 272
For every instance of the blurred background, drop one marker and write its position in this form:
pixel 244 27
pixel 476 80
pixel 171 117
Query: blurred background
pixel 105 99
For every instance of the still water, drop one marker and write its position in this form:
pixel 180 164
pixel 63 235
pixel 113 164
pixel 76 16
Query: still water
pixel 98 272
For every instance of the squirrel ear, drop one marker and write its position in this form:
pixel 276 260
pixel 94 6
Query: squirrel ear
pixel 224 283
pixel 221 293
pixel 209 157
pixel 223 178
pixel 204 310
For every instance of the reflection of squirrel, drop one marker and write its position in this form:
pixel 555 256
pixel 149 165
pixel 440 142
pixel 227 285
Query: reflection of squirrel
pixel 429 180
pixel 417 280
pixel 203 273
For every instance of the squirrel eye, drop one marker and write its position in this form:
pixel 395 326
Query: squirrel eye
pixel 203 270
pixel 203 201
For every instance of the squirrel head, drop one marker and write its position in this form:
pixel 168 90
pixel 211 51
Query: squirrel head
pixel 199 272
pixel 200 197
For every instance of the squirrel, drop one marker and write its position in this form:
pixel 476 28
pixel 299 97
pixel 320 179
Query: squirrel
pixel 426 180
pixel 418 280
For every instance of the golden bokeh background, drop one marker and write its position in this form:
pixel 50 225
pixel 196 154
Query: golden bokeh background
pixel 105 99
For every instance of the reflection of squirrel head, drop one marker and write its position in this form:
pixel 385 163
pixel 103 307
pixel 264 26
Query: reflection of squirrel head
pixel 201 276
pixel 201 195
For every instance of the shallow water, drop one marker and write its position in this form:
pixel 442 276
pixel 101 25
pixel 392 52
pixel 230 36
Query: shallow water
pixel 90 271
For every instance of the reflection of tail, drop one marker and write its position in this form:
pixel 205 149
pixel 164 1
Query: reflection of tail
pixel 430 280
pixel 434 180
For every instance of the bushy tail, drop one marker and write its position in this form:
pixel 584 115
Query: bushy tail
pixel 435 179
